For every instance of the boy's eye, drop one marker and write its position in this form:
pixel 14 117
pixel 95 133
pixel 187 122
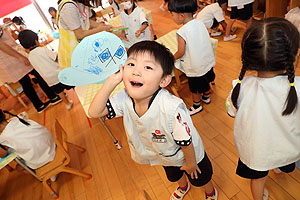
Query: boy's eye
pixel 148 67
pixel 130 64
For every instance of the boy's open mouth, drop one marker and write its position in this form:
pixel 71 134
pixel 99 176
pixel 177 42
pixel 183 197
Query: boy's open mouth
pixel 136 84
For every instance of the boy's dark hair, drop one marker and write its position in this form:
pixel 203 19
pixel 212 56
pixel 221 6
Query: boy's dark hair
pixel 27 39
pixel 220 2
pixel 161 54
pixel 18 20
pixel 93 14
pixel 270 45
pixel 183 6
pixel 2 117
pixel 51 9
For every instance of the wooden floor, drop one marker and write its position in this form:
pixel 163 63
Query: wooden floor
pixel 116 176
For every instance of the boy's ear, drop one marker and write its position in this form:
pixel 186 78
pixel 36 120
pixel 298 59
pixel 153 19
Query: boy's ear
pixel 165 81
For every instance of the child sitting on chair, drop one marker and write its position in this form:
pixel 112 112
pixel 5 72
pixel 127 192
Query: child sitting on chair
pixel 194 51
pixel 135 19
pixel 45 63
pixel 29 140
pixel 158 126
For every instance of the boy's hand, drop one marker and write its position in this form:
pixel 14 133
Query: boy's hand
pixel 102 27
pixel 137 33
pixel 191 170
pixel 117 77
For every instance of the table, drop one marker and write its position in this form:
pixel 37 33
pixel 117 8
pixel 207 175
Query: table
pixel 12 156
pixel 86 94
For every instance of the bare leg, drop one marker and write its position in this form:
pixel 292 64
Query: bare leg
pixel 196 97
pixel 208 187
pixel 182 181
pixel 64 98
pixel 257 188
pixel 228 27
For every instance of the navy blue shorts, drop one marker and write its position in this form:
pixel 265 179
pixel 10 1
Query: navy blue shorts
pixel 244 13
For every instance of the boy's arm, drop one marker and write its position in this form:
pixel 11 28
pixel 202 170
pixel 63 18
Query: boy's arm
pixel 139 31
pixel 3 152
pixel 181 47
pixel 98 106
pixel 190 165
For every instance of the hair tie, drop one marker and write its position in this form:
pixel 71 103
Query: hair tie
pixel 292 84
pixel 239 81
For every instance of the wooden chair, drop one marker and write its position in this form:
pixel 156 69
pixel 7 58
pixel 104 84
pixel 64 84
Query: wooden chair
pixel 60 162
pixel 13 89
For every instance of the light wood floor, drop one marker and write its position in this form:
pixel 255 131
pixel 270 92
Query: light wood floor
pixel 116 176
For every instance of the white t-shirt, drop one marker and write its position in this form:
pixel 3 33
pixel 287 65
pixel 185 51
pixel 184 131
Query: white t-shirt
pixel 134 22
pixel 155 138
pixel 33 143
pixel 43 61
pixel 70 17
pixel 263 137
pixel 233 3
pixel 208 13
pixel 199 57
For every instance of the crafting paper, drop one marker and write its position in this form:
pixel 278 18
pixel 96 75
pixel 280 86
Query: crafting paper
pixel 94 59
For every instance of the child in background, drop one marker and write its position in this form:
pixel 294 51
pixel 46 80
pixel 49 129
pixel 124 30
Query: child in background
pixel 45 63
pixel 239 9
pixel 158 126
pixel 194 51
pixel 266 106
pixel 212 15
pixel 134 18
pixel 115 4
pixel 28 139
pixel 162 6
pixel 52 11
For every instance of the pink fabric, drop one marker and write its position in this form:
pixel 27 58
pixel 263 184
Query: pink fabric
pixel 12 69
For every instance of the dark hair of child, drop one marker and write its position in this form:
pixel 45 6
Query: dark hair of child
pixel 18 20
pixel 93 14
pixel 2 117
pixel 27 39
pixel 51 9
pixel 270 45
pixel 160 53
pixel 183 6
pixel 220 2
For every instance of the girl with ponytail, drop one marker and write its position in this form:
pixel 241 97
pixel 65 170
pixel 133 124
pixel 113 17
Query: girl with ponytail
pixel 29 140
pixel 267 118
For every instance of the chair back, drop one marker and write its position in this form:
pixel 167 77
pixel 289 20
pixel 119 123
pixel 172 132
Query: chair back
pixel 61 135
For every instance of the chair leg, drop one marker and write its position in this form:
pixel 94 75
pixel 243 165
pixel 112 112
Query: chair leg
pixel 22 102
pixel 79 148
pixel 49 189
pixel 174 91
pixel 77 172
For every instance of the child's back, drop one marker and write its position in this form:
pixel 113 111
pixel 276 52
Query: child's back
pixel 199 57
pixel 44 62
pixel 33 143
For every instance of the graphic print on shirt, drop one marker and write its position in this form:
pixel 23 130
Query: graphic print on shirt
pixel 187 128
pixel 159 137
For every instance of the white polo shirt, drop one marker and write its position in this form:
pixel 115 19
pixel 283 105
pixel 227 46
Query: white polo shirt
pixel 43 61
pixel 33 143
pixel 199 57
pixel 208 13
pixel 263 137
pixel 134 22
pixel 155 138
pixel 233 3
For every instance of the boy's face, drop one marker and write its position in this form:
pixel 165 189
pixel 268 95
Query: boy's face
pixel 53 14
pixel 142 76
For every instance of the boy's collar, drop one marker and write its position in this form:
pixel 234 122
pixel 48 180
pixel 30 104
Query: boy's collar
pixel 151 100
